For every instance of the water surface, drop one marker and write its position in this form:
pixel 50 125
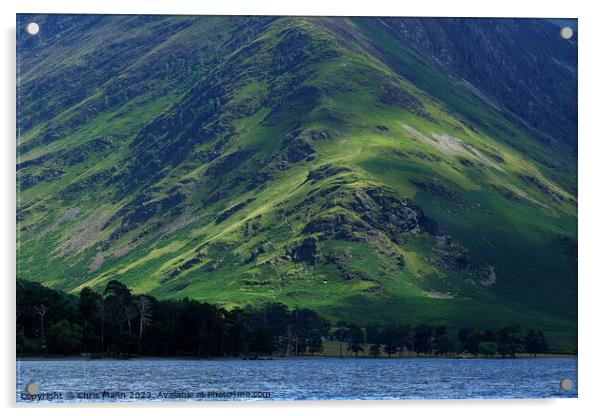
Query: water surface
pixel 294 379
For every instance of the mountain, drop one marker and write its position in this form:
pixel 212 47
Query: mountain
pixel 376 169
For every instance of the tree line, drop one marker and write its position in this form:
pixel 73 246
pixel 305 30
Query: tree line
pixel 424 339
pixel 118 323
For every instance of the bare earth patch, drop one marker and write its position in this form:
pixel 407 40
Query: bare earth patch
pixel 100 257
pixel 123 250
pixel 97 262
pixel 84 234
pixel 68 215
pixel 180 222
pixel 450 146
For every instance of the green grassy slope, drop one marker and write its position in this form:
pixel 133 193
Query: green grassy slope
pixel 315 162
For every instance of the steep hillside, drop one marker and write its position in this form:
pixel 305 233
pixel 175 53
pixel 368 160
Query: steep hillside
pixel 363 167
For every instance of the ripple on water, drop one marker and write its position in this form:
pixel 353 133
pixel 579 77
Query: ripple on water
pixel 306 379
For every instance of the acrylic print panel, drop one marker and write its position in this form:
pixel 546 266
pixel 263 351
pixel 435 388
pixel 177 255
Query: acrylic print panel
pixel 284 208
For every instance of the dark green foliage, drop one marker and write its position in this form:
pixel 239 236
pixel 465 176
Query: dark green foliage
pixel 259 342
pixel 469 340
pixel 64 338
pixel 39 307
pixel 473 342
pixel 535 342
pixel 314 342
pixel 375 350
pixel 441 341
pixel 121 324
pixel 355 338
pixel 341 334
pixel 391 349
pixel 423 339
pixel 90 317
pixel 488 349
pixel 509 340
pixel 116 307
pixel 463 334
pixel 117 323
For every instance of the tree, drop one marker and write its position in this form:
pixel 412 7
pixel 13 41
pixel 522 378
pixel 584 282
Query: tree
pixel 473 341
pixel 463 334
pixel 441 341
pixel 117 299
pixel 341 333
pixel 87 306
pixel 489 335
pixel 273 316
pixel 302 321
pixel 390 349
pixel 375 350
pixel 281 345
pixel 101 305
pixel 408 338
pixel 64 337
pixel 131 313
pixel 314 342
pixel 488 348
pixel 423 339
pixel 535 342
pixel 41 311
pixel 145 315
pixel 391 339
pixel 356 348
pixel 355 339
pixel 205 320
pixel 260 342
pixel 375 334
pixel 88 309
pixel 234 332
pixel 125 344
pixel 469 340
pixel 48 320
pixel 509 340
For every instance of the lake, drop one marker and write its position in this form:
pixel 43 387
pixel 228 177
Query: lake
pixel 293 379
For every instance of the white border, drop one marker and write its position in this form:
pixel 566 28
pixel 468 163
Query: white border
pixel 590 177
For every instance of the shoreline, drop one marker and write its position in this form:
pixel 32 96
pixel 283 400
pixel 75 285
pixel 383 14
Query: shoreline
pixel 303 357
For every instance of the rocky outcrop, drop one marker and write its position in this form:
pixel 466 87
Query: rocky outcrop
pixel 354 214
pixel 188 264
pixel 143 208
pixel 383 211
pixel 255 253
pixel 341 225
pixel 232 210
pixel 544 188
pixel 451 255
pixel 306 251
